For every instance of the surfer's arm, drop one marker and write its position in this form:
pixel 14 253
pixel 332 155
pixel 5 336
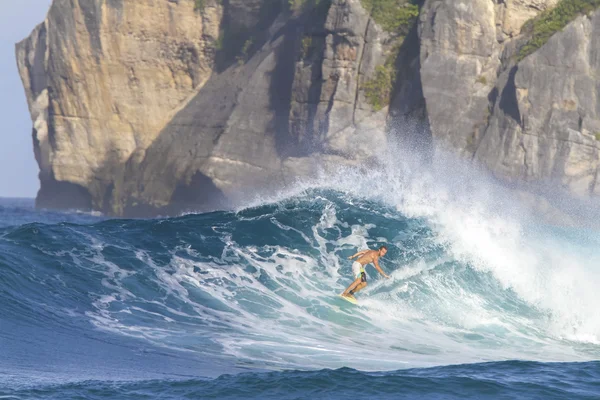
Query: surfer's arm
pixel 376 263
pixel 360 253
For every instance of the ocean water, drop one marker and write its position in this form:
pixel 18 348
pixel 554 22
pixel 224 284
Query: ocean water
pixel 485 300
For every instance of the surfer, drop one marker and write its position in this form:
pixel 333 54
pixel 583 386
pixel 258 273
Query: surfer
pixel 358 269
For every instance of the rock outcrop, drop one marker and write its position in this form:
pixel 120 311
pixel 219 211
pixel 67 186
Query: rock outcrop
pixel 545 123
pixel 149 107
pixel 461 47
pixel 530 121
pixel 137 111
pixel 102 79
pixel 258 124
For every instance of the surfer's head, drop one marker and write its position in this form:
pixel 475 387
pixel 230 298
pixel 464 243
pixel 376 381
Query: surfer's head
pixel 382 250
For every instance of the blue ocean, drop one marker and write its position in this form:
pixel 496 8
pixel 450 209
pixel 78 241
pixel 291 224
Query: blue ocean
pixel 486 300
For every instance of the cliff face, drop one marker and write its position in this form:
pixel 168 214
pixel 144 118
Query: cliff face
pixel 534 120
pixel 266 119
pixel 152 106
pixel 143 107
pixel 546 120
pixel 102 79
pixel 462 43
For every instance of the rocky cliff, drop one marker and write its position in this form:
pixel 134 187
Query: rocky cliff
pixel 142 107
pixel 545 120
pixel 527 117
pixel 102 79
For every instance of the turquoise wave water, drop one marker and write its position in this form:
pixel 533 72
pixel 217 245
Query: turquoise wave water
pixel 106 308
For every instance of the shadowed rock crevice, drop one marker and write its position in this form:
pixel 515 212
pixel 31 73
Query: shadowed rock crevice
pixel 188 139
pixel 299 69
pixel 200 194
pixel 62 195
pixel 244 30
pixel 409 121
pixel 315 127
pixel 280 90
pixel 508 99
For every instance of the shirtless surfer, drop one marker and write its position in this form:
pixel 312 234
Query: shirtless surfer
pixel 358 269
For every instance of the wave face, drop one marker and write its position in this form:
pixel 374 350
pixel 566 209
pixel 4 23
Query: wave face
pixel 474 278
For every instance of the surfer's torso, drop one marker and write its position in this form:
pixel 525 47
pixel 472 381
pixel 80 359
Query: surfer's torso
pixel 368 257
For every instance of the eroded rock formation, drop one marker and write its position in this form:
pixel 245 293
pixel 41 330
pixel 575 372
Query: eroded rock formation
pixel 148 107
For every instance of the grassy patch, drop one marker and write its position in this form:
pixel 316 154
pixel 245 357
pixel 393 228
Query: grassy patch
pixel 311 48
pixel 396 16
pixel 243 57
pixel 597 136
pixel 306 46
pixel 542 27
pixel 379 88
pixel 482 79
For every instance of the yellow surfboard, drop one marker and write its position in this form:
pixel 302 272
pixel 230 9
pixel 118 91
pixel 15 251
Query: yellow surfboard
pixel 349 299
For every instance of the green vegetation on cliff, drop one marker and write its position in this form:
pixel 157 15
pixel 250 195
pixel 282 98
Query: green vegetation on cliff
pixel 397 16
pixel 245 53
pixel 378 90
pixel 306 46
pixel 542 27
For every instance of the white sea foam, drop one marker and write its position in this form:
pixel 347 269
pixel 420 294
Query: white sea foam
pixel 501 286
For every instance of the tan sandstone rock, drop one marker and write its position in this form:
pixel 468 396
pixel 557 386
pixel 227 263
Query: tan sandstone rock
pixel 103 78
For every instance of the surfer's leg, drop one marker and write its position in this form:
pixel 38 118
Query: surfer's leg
pixel 357 285
pixel 352 286
pixel 362 284
pixel 358 288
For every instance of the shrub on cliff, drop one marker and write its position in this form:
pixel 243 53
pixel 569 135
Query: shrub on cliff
pixel 542 27
pixel 396 16
pixel 378 89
